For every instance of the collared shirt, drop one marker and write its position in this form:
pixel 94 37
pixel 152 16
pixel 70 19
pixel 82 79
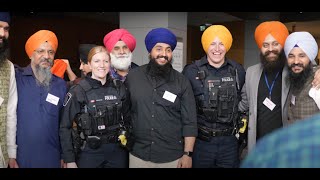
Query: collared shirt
pixel 191 72
pixel 294 146
pixel 38 120
pixel 163 112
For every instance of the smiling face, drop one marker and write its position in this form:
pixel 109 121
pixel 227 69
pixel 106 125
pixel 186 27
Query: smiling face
pixel 99 62
pixel 297 60
pixel 271 48
pixel 216 53
pixel 161 53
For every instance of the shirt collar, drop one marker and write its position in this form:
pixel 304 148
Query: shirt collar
pixel 204 61
pixel 27 71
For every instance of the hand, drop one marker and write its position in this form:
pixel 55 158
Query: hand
pixel 316 80
pixel 63 164
pixel 185 162
pixel 13 163
pixel 72 165
pixel 66 61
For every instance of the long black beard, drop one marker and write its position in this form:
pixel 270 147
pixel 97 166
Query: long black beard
pixel 4 51
pixel 298 80
pixel 271 66
pixel 160 71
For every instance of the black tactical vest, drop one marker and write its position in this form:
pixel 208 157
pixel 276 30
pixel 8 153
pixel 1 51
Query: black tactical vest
pixel 221 106
pixel 101 112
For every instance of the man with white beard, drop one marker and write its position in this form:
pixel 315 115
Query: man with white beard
pixel 120 43
pixel 41 96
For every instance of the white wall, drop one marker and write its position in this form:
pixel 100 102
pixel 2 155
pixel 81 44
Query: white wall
pixel 140 23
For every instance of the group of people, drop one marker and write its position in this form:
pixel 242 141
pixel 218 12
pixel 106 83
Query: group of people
pixel 119 114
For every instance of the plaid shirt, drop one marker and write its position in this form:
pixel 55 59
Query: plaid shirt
pixel 295 146
pixel 301 105
pixel 115 75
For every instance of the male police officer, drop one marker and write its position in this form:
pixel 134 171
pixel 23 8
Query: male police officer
pixel 216 83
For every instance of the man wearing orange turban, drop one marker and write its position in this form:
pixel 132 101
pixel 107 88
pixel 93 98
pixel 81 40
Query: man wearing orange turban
pixel 41 96
pixel 120 43
pixel 216 82
pixel 265 93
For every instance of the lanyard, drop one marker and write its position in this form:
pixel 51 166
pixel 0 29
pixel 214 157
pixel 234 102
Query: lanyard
pixel 270 87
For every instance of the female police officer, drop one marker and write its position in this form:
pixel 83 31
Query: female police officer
pixel 99 106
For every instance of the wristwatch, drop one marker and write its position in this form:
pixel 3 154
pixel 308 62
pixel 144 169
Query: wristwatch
pixel 188 153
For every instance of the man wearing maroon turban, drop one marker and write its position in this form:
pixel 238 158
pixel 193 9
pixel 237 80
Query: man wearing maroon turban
pixel 120 43
pixel 265 92
pixel 163 109
pixel 8 99
pixel 41 96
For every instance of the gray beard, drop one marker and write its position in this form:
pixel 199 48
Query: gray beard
pixel 45 74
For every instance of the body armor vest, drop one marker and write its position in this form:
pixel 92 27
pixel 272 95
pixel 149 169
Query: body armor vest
pixel 221 104
pixel 101 113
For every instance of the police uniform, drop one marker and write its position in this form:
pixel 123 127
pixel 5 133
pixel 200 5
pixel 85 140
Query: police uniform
pixel 100 112
pixel 217 92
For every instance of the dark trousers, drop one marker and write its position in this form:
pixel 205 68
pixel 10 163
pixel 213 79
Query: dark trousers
pixel 220 152
pixel 106 156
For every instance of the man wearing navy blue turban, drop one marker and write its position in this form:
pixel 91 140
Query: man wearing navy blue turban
pixel 163 109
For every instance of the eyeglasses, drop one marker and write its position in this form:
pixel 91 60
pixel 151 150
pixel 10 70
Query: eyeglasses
pixel 273 44
pixel 42 52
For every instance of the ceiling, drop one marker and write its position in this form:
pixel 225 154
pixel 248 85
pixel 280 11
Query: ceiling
pixel 298 21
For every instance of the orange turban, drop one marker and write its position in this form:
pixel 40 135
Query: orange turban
pixel 38 38
pixel 277 29
pixel 114 36
pixel 59 68
pixel 214 31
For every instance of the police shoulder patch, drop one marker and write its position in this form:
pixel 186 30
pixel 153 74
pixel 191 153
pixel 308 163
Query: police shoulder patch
pixel 67 98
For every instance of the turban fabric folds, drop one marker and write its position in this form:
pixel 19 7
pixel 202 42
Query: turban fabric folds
pixel 303 40
pixel 160 35
pixel 5 17
pixel 38 38
pixel 277 29
pixel 214 31
pixel 114 36
pixel 59 68
pixel 84 51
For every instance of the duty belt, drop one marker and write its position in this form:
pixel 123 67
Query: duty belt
pixel 222 132
pixel 104 139
pixel 215 132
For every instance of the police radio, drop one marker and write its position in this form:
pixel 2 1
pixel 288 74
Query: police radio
pixel 201 75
